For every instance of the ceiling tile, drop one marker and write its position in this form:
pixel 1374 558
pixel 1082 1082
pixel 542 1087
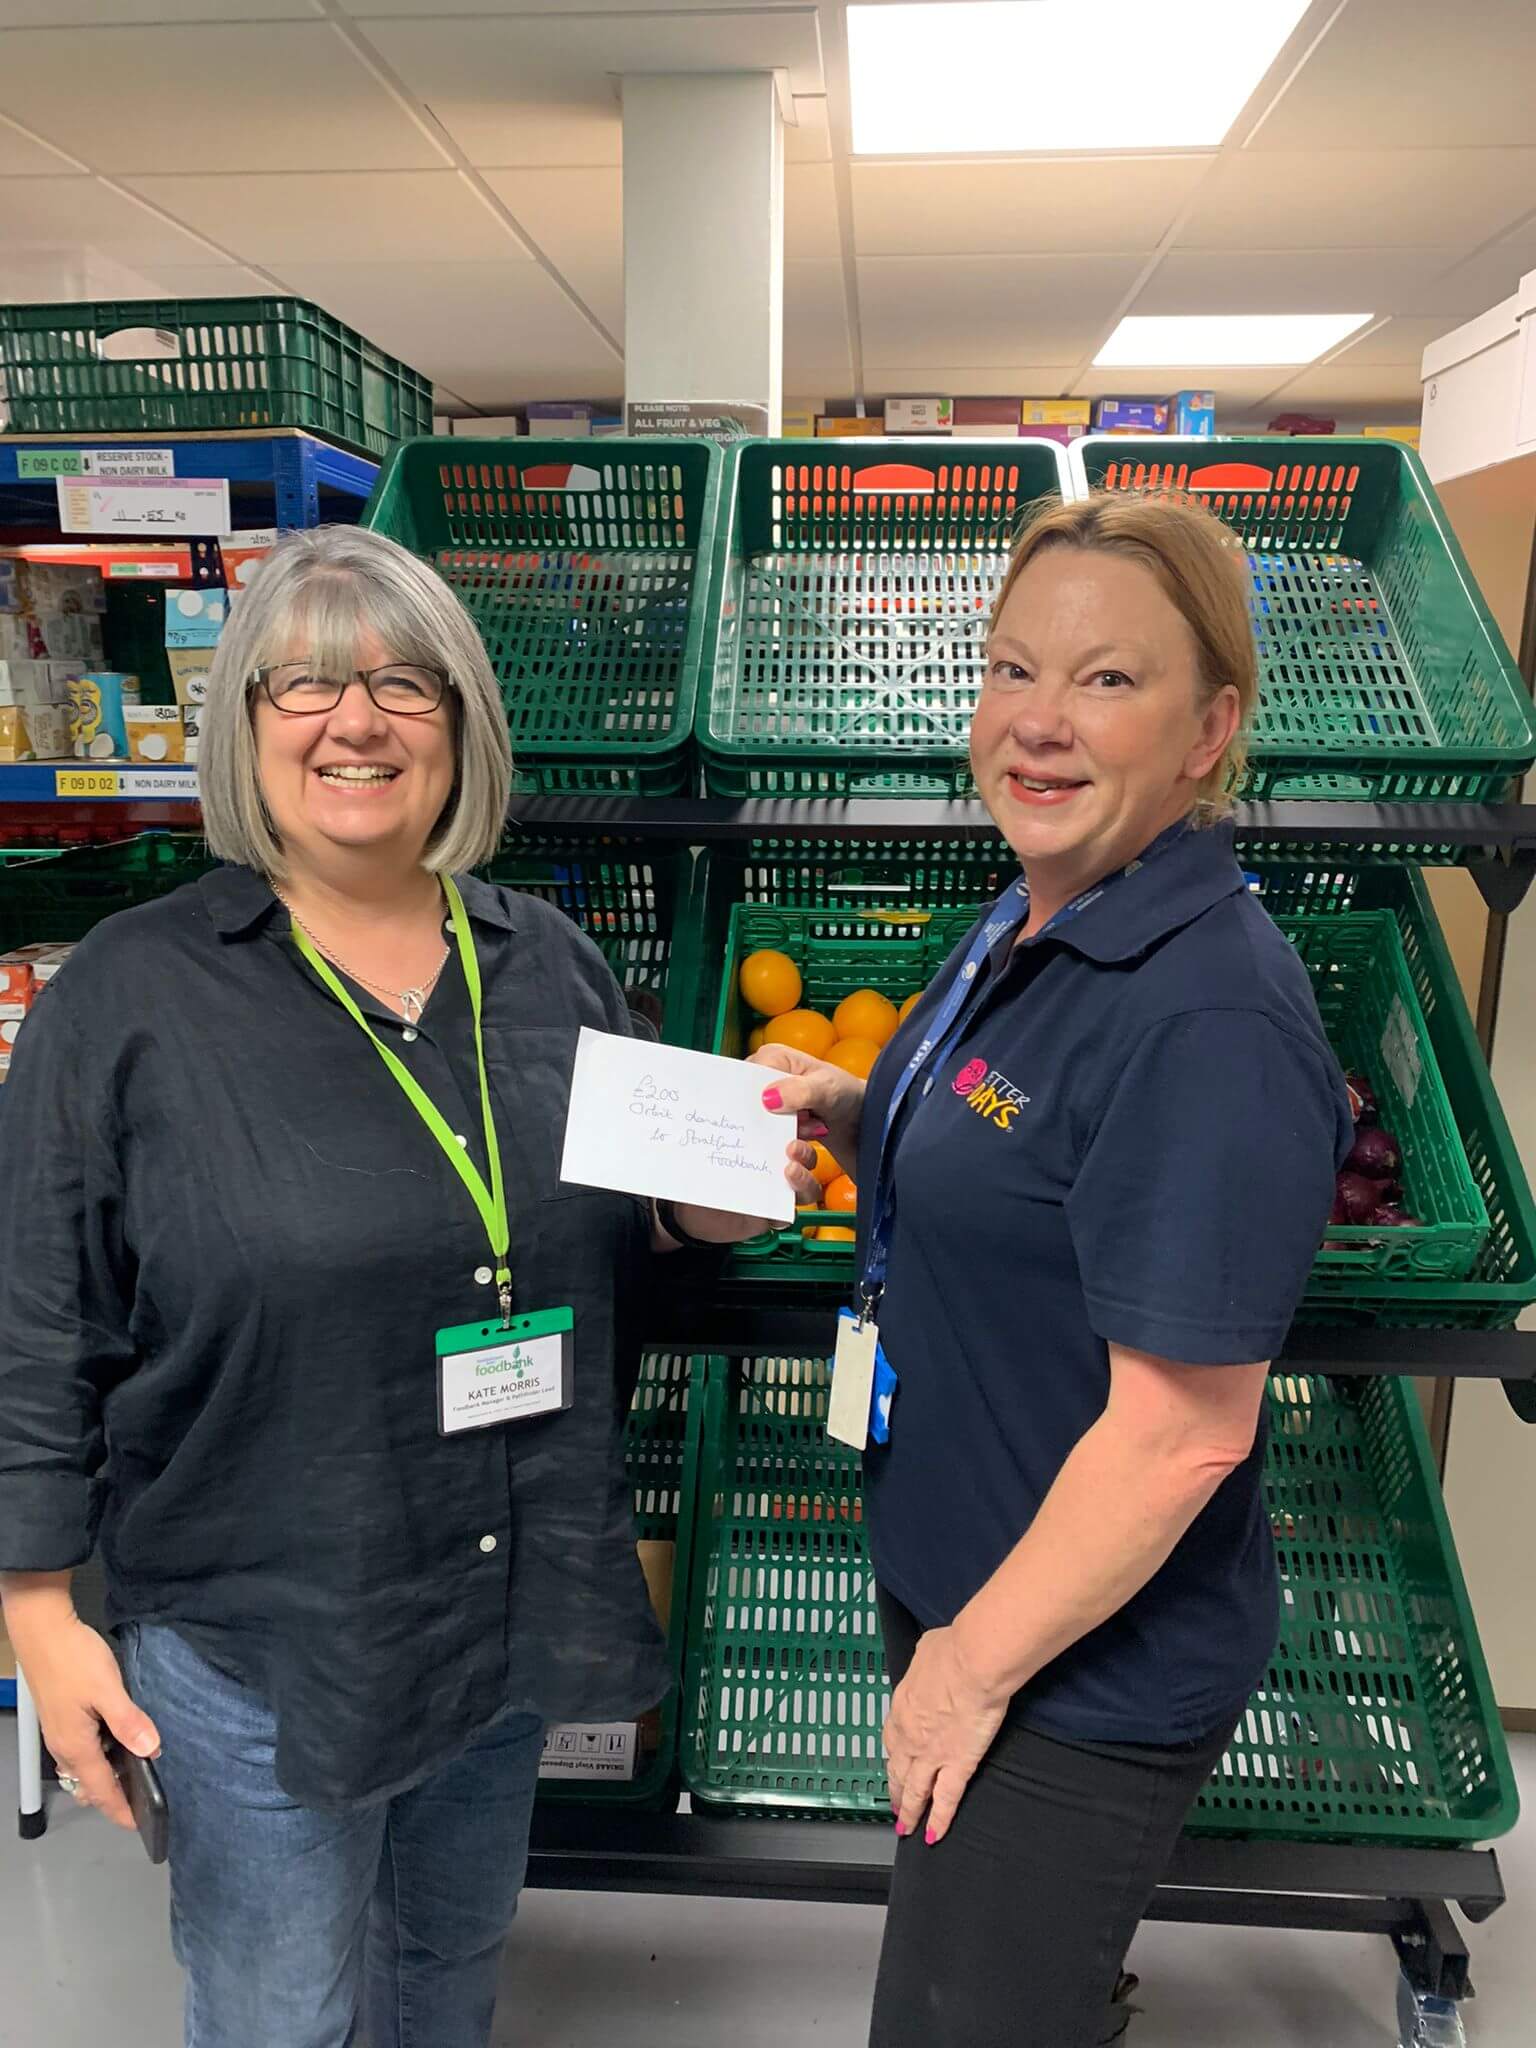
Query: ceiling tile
pixel 979 310
pixel 65 213
pixel 577 220
pixel 541 89
pixel 345 216
pixel 1291 280
pixel 1484 279
pixel 1337 384
pixel 948 209
pixel 810 211
pixel 955 380
pixel 21 156
pixel 497 333
pixel 808 141
pixel 1236 384
pixel 1349 199
pixel 1396 71
pixel 1396 341
pixel 209 97
pixel 815 326
pixel 121 13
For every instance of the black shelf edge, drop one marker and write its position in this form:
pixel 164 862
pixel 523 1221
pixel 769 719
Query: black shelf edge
pixel 1505 828
pixel 743 1323
pixel 1342 1886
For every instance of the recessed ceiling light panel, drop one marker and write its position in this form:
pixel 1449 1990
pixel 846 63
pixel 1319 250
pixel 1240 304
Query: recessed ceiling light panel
pixel 975 77
pixel 1201 341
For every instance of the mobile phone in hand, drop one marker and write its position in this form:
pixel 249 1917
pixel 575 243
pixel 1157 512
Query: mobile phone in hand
pixel 145 1795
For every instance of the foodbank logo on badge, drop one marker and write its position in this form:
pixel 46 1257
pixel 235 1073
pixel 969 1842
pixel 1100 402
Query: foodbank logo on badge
pixel 502 1363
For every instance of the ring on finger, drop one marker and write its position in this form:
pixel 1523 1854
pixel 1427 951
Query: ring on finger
pixel 69 1785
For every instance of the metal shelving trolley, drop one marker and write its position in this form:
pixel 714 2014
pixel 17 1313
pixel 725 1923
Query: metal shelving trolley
pixel 1368 1780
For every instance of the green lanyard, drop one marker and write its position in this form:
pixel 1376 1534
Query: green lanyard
pixel 490 1201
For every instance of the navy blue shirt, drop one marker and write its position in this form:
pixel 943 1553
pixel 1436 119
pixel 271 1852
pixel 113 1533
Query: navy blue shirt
pixel 1133 1141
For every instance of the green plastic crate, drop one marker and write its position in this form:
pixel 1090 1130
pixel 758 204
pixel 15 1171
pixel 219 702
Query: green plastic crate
pixel 232 364
pixel 896 952
pixel 586 566
pixel 1376 1720
pixel 1383 674
pixel 628 897
pixel 55 898
pixel 1502 1283
pixel 857 874
pixel 848 629
pixel 661 1448
pixel 1371 1013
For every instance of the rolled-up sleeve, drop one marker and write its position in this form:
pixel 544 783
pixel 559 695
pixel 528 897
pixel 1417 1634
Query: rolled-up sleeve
pixel 1205 1187
pixel 64 1313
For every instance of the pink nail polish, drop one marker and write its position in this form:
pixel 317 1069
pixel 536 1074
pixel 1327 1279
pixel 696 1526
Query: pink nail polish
pixel 900 1828
pixel 772 1099
pixel 930 1837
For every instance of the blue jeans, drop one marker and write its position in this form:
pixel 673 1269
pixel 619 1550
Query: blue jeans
pixel 382 1924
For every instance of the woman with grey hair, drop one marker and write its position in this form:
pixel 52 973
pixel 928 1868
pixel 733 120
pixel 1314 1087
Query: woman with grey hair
pixel 299 1325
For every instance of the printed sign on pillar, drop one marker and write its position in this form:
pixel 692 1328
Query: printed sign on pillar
pixel 689 420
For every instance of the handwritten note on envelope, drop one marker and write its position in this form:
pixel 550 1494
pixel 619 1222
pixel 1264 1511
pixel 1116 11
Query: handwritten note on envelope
pixel 655 1120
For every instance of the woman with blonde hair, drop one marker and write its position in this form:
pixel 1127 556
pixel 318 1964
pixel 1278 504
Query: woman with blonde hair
pixel 299 1323
pixel 1094 1167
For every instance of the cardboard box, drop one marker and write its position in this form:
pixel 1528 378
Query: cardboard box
pixel 1130 416
pixel 44 960
pixel 19 638
pixel 798 425
pixel 988 430
pixel 1062 436
pixel 48 588
pixel 69 636
pixel 16 981
pixel 919 415
pixel 1055 412
pixel 1408 436
pixel 10 584
pixel 607 426
pixel 971 413
pixel 97 704
pixel 189 672
pixel 191 730
pixel 615 1749
pixel 156 734
pixel 828 429
pixel 15 740
pixel 1192 412
pixel 195 618
pixel 28 682
pixel 49 729
pixel 501 426
pixel 563 420
pixel 12 1017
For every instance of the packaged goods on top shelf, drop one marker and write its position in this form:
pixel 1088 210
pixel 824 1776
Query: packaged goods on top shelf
pixel 24 974
pixel 919 415
pixel 46 589
pixel 1192 412
pixel 1130 415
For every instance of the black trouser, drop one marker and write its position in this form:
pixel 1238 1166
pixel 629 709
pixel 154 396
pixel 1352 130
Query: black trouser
pixel 1010 1933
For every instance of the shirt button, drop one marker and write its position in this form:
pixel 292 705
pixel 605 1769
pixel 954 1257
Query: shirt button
pixel 460 1139
pixel 484 1275
pixel 409 1035
pixel 487 1544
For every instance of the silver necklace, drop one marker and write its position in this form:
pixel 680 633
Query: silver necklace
pixel 412 1001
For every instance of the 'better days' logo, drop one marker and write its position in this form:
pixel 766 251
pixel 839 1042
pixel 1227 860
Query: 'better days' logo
pixel 990 1094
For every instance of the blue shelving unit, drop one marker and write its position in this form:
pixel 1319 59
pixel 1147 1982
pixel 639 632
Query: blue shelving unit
pixel 293 467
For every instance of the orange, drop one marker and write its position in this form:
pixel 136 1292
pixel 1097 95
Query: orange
pixel 834 1233
pixel 866 1014
pixel 770 982
pixel 805 1030
pixel 826 1168
pixel 909 1006
pixel 855 1056
pixel 840 1194
pixel 756 1038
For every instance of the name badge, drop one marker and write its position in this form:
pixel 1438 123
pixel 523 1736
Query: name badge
pixel 487 1374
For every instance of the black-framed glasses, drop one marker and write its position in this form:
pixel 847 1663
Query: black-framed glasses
pixel 404 689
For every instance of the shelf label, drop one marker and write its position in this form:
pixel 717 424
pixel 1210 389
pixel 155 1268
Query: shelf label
pixel 39 464
pixel 87 782
pixel 164 507
pixel 179 784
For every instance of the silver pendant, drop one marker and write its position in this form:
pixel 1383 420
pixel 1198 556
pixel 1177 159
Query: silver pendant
pixel 412 1002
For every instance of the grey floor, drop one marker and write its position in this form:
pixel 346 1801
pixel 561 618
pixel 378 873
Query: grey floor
pixel 84 1963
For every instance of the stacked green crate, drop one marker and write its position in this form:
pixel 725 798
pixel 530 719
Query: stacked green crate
pixel 849 619
pixel 1375 1722
pixel 1383 675
pixel 587 568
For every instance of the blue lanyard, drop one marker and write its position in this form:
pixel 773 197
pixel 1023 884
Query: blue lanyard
pixel 996 936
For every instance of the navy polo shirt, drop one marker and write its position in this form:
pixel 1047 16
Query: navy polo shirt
pixel 1133 1141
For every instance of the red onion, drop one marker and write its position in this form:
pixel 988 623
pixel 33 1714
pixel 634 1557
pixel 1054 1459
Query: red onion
pixel 1362 1099
pixel 1355 1198
pixel 1375 1154
pixel 1388 1216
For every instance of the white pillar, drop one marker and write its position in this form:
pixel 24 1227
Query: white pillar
pixel 704 240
